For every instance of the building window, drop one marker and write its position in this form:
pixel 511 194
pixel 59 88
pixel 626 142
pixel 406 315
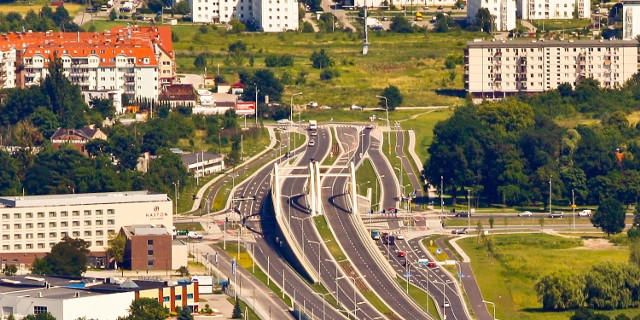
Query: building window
pixel 98 222
pixel 111 222
pixel 76 213
pixel 16 216
pixel 87 212
pixel 150 263
pixel 5 216
pixel 52 235
pixel 87 233
pixel 109 211
pixel 76 223
pixel 52 224
pixel 52 214
pixel 17 246
pixel 178 297
pixel 166 298
pixel 64 214
pixel 87 222
pixel 64 234
pixel 99 243
pixel 17 226
pixel 76 233
pixel 98 232
pixel 5 237
pixel 64 224
pixel 150 252
pixel 40 214
pixel 40 245
pixel 190 296
pixel 98 212
pixel 150 242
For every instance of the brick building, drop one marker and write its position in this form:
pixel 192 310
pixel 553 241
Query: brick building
pixel 148 247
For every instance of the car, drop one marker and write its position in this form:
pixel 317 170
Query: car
pixel 400 236
pixel 392 210
pixel 459 231
pixel 401 254
pixel 369 126
pixel 585 213
pixel 314 133
pixel 525 214
pixel 440 7
pixel 556 214
pixel 355 107
pixel 283 121
pixel 312 143
pixel 463 214
pixel 194 235
pixel 375 27
pixel 446 304
pixel 287 154
pixel 431 264
pixel 324 107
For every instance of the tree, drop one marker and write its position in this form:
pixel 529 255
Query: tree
pixel 9 183
pixel 393 95
pixel 452 60
pixel 320 59
pixel 104 106
pixel 11 317
pixel 484 21
pixel 116 249
pixel 201 61
pixel 561 290
pixel 39 266
pixel 40 316
pixel 10 270
pixel 147 309
pixel 267 83
pixel 237 26
pixel 183 271
pixel 491 222
pixel 634 252
pixel 113 15
pixel 126 148
pixel 68 257
pixel 237 310
pixel 443 22
pixel 66 99
pixel 609 217
pixel 611 285
pixel 400 24
pixel 184 313
pixel 45 120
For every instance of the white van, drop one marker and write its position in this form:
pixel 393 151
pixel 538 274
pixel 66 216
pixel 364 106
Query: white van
pixel 585 213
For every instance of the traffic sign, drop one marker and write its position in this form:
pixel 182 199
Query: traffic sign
pixel 460 275
pixel 407 275
pixel 439 251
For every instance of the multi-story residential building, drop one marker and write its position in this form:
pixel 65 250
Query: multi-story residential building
pixel 139 61
pixel 630 19
pixel 502 11
pixel 31 225
pixel 495 69
pixel 268 15
pixel 554 9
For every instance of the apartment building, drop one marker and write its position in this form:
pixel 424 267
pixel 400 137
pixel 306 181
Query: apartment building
pixel 31 225
pixel 630 19
pixel 503 12
pixel 138 61
pixel 268 15
pixel 495 69
pixel 554 9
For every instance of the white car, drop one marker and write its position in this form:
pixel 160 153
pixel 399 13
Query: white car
pixel 314 133
pixel 194 235
pixel 585 213
pixel 312 143
pixel 525 214
pixel 283 121
pixel 356 107
pixel 446 304
pixel 400 236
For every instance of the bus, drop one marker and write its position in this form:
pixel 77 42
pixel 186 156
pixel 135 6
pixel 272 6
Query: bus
pixel 313 125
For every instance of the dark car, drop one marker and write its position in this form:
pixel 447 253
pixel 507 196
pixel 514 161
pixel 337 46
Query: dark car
pixel 401 254
pixel 556 214
pixel 440 7
pixel 462 214
pixel 392 210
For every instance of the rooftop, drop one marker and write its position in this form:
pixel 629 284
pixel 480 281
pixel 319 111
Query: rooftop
pixel 81 199
pixel 146 229
pixel 480 43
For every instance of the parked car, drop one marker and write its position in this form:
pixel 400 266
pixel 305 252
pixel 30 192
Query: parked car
pixel 525 214
pixel 312 143
pixel 463 214
pixel 400 253
pixel 459 231
pixel 355 107
pixel 585 213
pixel 194 235
pixel 313 104
pixel 392 210
pixel 556 214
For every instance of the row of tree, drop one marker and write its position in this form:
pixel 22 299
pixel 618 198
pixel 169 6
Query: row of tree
pixel 44 20
pixel 512 152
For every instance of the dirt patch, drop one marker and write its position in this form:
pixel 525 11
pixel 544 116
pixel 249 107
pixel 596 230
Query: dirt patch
pixel 596 244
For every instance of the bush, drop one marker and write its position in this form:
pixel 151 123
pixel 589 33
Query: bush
pixel 274 60
pixel 328 74
pixel 307 27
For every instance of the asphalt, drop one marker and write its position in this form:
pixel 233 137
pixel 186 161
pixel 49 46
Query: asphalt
pixel 342 222
pixel 406 164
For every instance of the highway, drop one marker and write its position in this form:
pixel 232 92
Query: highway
pixel 267 258
pixel 343 223
pixel 415 184
pixel 316 254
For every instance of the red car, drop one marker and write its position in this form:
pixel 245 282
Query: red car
pixel 401 254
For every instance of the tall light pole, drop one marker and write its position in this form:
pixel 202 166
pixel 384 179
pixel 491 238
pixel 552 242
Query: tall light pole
pixel 573 207
pixel 256 88
pixel 441 192
pixel 324 298
pixel 302 230
pixel 219 139
pixel 386 104
pixel 550 194
pixel 377 195
pixel 319 274
pixel 176 186
pixel 291 115
pixel 444 295
pixel 494 308
pixel 469 208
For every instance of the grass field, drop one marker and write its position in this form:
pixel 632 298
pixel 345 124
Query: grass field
pixel 412 62
pixel 423 124
pixel 559 24
pixel 366 178
pixel 22 7
pixel 508 278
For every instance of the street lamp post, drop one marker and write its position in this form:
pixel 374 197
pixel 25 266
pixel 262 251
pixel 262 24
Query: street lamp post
pixel 219 139
pixel 550 194
pixel 324 298
pixel 444 294
pixel 469 208
pixel 386 104
pixel 441 192
pixel 377 195
pixel 302 230
pixel 494 308
pixel 319 274
pixel 573 207
pixel 176 186
pixel 291 115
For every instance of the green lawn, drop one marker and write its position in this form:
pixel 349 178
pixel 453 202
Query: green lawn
pixel 366 178
pixel 559 24
pixel 423 125
pixel 508 277
pixel 412 62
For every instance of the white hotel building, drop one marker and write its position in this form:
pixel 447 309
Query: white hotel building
pixel 269 15
pixel 31 225
pixel 495 69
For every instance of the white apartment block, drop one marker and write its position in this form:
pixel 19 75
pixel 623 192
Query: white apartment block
pixel 269 15
pixel 554 9
pixel 503 12
pixel 495 69
pixel 31 225
pixel 8 68
pixel 630 19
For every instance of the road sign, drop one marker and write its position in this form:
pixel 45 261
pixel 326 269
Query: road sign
pixel 460 275
pixel 439 251
pixel 407 275
pixel 233 266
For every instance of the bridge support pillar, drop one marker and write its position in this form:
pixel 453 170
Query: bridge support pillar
pixel 352 189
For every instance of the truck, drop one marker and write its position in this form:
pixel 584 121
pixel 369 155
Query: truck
pixel 313 125
pixel 375 234
pixel 418 16
pixel 388 239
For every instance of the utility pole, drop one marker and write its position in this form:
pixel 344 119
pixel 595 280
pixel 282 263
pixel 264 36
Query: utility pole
pixel 550 194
